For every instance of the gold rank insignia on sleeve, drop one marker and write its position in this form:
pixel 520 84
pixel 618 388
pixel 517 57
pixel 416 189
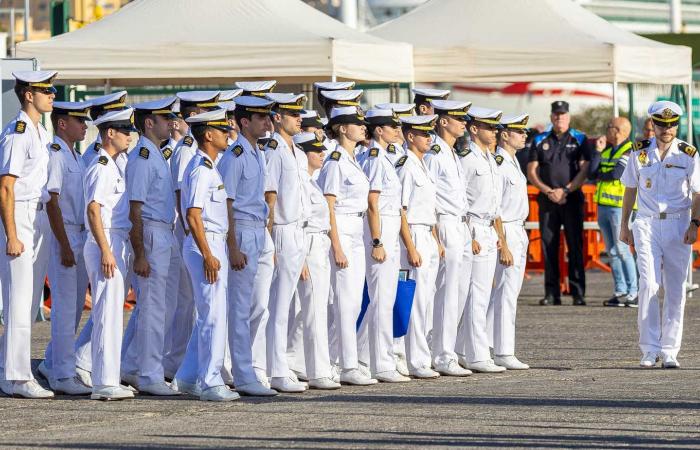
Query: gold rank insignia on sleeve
pixel 373 152
pixel 499 159
pixel 464 152
pixel 391 149
pixel 55 147
pixel 335 156
pixel 20 126
pixel 206 163
pixel 272 144
pixel 98 146
pixel 188 141
pixel 144 153
pixel 237 150
pixel 687 149
pixel 102 160
pixel 401 161
pixel 167 153
pixel 435 148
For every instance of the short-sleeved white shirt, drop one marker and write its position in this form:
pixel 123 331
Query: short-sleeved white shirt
pixel 319 217
pixel 183 152
pixel 203 188
pixel 104 184
pixel 91 152
pixel 148 181
pixel 66 174
pixel 243 169
pixel 446 168
pixel 482 182
pixel 342 177
pixel 418 190
pixel 287 172
pixel 24 153
pixel 514 201
pixel 383 178
pixel 662 186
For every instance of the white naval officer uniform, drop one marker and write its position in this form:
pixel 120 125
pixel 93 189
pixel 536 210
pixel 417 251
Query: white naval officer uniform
pixel 24 153
pixel 418 198
pixel 665 189
pixel 382 277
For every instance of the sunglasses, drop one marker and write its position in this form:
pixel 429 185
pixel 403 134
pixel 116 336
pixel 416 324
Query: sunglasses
pixel 45 91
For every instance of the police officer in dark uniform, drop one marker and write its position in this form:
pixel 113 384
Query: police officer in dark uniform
pixel 558 164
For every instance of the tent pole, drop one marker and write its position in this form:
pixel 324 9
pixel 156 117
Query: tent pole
pixel 108 86
pixel 630 95
pixel 616 105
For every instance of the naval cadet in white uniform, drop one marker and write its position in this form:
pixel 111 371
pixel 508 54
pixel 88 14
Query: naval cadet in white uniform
pixel 24 235
pixel 98 107
pixel 663 176
pixel 423 97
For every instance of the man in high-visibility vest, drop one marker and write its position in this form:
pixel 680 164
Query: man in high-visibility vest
pixel 607 166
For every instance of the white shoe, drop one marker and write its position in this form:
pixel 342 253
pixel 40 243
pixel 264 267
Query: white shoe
pixel 391 376
pixel 649 359
pixel 261 376
pixel 293 377
pixel 186 388
pixel 335 373
pixel 107 393
pixel 424 373
pixel 452 369
pixel 218 394
pixel 325 384
pixel 487 366
pixel 286 384
pixel 462 361
pixel 510 362
pixel 227 376
pixel 256 389
pixel 301 376
pixel 401 365
pixel 670 362
pixel 364 368
pixel 84 376
pixel 130 379
pixel 44 371
pixel 161 389
pixel 69 386
pixel 356 377
pixel 30 389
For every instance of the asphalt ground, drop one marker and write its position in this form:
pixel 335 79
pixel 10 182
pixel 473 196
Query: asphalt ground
pixel 585 390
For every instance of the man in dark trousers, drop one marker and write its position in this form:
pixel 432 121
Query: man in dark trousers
pixel 558 164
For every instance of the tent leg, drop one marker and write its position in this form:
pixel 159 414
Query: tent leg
pixel 616 104
pixel 630 95
pixel 108 87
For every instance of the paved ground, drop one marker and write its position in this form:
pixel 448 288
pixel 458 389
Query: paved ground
pixel 584 391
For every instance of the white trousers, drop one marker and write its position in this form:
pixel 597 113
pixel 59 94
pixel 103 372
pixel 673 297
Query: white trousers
pixel 348 285
pixel 416 339
pixel 22 288
pixel 382 281
pixel 662 259
pixel 107 307
pixel 210 303
pixel 290 251
pixel 506 288
pixel 313 296
pixel 155 311
pixel 68 289
pixel 453 280
pixel 247 308
pixel 295 337
pixel 472 335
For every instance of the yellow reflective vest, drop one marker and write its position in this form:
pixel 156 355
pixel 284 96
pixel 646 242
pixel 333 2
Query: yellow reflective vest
pixel 610 193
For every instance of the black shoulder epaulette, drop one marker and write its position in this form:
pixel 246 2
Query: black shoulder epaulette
pixel 144 153
pixel 102 160
pixel 272 144
pixel 401 161
pixel 335 156
pixel 20 126
pixel 642 143
pixel 464 152
pixel 167 153
pixel 687 149
pixel 98 146
pixel 164 143
pixel 499 159
pixel 373 152
pixel 391 149
pixel 206 163
pixel 262 142
pixel 55 147
pixel 237 150
pixel 435 148
pixel 188 140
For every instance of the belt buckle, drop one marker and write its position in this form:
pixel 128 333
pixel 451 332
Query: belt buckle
pixel 662 215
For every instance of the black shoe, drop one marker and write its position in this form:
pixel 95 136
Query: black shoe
pixel 614 301
pixel 549 300
pixel 579 301
pixel 634 303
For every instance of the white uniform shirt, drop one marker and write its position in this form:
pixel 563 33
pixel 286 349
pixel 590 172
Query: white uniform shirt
pixel 286 175
pixel 242 168
pixel 483 183
pixel 514 201
pixel 203 188
pixel 148 181
pixel 183 152
pixel 446 168
pixel 91 152
pixel 662 186
pixel 319 218
pixel 66 174
pixel 104 184
pixel 24 153
pixel 418 190
pixel 342 177
pixel 383 178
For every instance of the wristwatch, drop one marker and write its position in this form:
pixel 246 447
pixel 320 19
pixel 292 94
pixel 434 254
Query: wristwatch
pixel 376 243
pixel 695 222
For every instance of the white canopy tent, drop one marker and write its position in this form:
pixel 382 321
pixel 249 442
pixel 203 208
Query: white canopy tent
pixel 157 42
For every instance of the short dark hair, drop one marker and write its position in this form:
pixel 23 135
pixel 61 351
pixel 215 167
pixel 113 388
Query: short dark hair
pixel 140 120
pixel 198 133
pixel 55 117
pixel 20 91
